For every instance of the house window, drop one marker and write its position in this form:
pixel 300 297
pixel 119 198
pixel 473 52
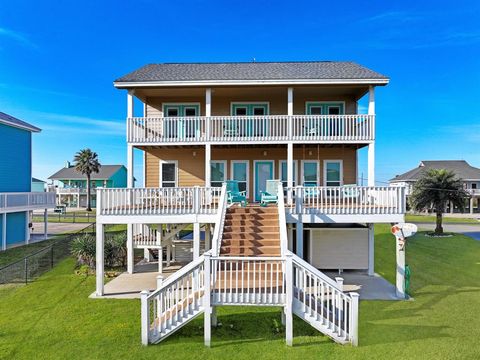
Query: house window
pixel 218 172
pixel 168 174
pixel 325 108
pixel 310 173
pixel 333 172
pixel 283 173
pixel 240 173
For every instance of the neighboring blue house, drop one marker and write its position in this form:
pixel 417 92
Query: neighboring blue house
pixel 71 185
pixel 16 197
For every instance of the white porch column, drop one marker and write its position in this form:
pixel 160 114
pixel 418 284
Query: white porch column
pixel 208 157
pixel 289 171
pixel 208 237
pixel 371 249
pixel 288 300
pixel 196 240
pixel 158 234
pixel 207 325
pixel 299 231
pixel 4 231
pixel 99 265
pixel 290 111
pixel 371 146
pixel 471 205
pixel 130 168
pixel 208 111
pixel 130 259
pixel 290 236
pixel 45 224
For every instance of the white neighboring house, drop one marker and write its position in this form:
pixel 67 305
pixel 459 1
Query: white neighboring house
pixel 470 176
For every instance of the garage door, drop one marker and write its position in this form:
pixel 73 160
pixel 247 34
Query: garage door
pixel 339 248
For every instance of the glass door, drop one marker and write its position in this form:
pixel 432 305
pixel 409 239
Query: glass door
pixel 181 127
pixel 240 173
pixel 251 127
pixel 263 172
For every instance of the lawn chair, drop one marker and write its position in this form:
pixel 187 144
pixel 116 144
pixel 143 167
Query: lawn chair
pixel 271 193
pixel 351 192
pixel 309 188
pixel 230 129
pixel 234 195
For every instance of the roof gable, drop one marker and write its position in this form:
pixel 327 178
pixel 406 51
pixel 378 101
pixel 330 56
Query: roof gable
pixel 70 173
pixel 460 167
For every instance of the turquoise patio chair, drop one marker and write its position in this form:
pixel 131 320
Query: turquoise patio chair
pixel 309 188
pixel 234 195
pixel 270 195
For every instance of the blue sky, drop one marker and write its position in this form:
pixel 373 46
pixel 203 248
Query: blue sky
pixel 58 61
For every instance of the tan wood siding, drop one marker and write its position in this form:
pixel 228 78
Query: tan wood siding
pixel 192 168
pixel 339 248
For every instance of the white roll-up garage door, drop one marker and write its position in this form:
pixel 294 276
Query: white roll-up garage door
pixel 339 248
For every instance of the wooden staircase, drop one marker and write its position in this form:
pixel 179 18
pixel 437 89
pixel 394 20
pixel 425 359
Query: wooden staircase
pixel 251 231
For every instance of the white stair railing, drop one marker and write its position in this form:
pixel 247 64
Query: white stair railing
pixel 282 220
pixel 219 222
pixel 178 300
pixel 320 301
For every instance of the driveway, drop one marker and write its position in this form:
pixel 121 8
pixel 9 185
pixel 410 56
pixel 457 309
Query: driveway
pixel 472 230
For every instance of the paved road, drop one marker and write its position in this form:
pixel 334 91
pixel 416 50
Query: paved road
pixel 55 228
pixel 472 230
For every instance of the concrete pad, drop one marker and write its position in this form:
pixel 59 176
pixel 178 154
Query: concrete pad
pixel 129 286
pixel 369 287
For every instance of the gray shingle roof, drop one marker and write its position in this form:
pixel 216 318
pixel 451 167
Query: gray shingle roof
pixel 315 70
pixel 460 167
pixel 13 121
pixel 106 171
pixel 37 180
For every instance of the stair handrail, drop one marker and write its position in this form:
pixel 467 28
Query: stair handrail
pixel 282 220
pixel 219 221
pixel 302 263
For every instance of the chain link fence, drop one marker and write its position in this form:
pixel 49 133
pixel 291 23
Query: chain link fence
pixel 34 265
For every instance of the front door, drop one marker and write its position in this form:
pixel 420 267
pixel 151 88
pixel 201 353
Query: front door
pixel 263 172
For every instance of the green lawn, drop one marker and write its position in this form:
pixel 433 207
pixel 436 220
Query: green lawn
pixel 53 317
pixel 432 219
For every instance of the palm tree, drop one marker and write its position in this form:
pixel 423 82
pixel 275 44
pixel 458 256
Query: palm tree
pixel 434 190
pixel 86 162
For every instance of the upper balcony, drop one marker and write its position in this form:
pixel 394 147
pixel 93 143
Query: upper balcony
pixel 272 129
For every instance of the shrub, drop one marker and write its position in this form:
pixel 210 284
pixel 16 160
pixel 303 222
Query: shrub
pixel 83 248
pixel 116 250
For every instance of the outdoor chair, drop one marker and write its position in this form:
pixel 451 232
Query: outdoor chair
pixel 271 193
pixel 234 195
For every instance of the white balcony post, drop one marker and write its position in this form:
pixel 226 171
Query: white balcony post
pixel 208 112
pixel 145 316
pixel 208 237
pixel 130 168
pixel 288 309
pixel 371 164
pixel 159 281
pixel 290 112
pixel 196 240
pixel 354 319
pixel 160 248
pixel 299 233
pixel 4 230
pixel 208 149
pixel 130 258
pixel 207 302
pixel 289 172
pixel 371 249
pixel 99 265
pixel 339 280
pixel 290 236
pixel 45 224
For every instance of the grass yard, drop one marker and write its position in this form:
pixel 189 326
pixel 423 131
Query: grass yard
pixel 53 318
pixel 446 219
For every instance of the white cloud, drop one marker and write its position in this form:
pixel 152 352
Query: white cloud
pixel 17 36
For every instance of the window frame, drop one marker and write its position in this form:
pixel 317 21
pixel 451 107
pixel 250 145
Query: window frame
pixel 232 164
pixel 160 172
pixel 324 106
pixel 295 171
pixel 303 162
pixel 325 169
pixel 225 170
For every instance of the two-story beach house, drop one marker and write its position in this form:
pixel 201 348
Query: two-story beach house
pixel 17 200
pixel 204 124
pixel 71 186
pixel 469 174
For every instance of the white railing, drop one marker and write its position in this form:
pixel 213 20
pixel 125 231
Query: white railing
pixel 12 201
pixel 219 222
pixel 319 299
pixel 282 220
pixel 145 235
pixel 348 200
pixel 473 192
pixel 158 201
pixel 301 128
pixel 67 191
pixel 248 280
pixel 177 300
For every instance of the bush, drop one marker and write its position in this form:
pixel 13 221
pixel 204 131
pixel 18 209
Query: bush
pixel 83 248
